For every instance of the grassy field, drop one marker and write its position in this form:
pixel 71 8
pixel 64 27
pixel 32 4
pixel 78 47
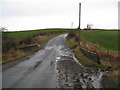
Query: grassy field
pixel 24 34
pixel 106 39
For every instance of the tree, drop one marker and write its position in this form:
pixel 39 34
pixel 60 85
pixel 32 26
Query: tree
pixel 89 26
pixel 3 29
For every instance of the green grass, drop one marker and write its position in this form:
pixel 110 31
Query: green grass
pixel 24 34
pixel 106 39
pixel 70 43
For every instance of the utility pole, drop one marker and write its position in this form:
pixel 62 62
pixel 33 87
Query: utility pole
pixel 119 15
pixel 79 27
pixel 79 16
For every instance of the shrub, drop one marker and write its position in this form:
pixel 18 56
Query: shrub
pixel 28 40
pixel 77 39
pixel 9 43
pixel 71 34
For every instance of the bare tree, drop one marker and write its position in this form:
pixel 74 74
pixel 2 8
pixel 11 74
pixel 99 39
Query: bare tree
pixel 3 29
pixel 89 26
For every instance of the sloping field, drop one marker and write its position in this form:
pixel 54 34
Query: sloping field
pixel 106 39
pixel 24 34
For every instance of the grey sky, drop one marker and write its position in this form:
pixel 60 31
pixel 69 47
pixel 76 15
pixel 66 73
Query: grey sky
pixel 119 15
pixel 35 14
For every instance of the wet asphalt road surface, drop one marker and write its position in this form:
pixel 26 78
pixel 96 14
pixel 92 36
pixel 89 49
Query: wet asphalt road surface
pixel 36 72
pixel 52 67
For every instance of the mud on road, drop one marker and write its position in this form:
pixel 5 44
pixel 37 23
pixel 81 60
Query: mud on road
pixel 72 74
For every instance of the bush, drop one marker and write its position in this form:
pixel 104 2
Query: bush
pixel 28 40
pixel 9 43
pixel 77 39
pixel 71 34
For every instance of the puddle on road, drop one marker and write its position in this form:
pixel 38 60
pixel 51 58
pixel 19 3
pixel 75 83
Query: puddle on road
pixel 57 58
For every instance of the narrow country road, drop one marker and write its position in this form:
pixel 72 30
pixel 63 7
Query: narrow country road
pixel 45 69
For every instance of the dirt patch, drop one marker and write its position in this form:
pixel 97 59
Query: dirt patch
pixel 72 75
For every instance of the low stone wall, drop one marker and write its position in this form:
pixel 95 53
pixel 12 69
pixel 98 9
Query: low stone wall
pixel 91 55
pixel 28 46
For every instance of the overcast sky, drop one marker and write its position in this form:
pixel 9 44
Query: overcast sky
pixel 38 14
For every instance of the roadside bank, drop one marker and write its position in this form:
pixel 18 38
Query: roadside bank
pixel 104 61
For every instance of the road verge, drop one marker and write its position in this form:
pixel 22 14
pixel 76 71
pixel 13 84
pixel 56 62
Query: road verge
pixel 108 62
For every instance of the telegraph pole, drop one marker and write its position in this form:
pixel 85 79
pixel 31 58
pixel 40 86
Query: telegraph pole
pixel 79 16
pixel 79 27
pixel 119 15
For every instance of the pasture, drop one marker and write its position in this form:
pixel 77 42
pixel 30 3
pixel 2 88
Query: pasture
pixel 27 33
pixel 106 39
